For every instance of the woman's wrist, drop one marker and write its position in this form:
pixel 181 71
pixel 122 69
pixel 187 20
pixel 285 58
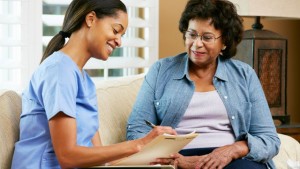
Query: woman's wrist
pixel 186 162
pixel 139 144
pixel 132 146
pixel 142 141
pixel 241 149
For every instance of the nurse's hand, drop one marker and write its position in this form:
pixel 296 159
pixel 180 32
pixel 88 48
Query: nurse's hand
pixel 156 131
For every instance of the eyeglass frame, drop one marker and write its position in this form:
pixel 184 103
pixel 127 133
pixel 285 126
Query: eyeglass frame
pixel 201 37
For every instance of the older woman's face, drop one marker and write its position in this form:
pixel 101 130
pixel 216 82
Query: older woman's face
pixel 203 42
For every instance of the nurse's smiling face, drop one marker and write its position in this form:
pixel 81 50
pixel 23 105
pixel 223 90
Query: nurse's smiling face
pixel 203 42
pixel 106 35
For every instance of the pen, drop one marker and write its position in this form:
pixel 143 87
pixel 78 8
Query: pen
pixel 150 124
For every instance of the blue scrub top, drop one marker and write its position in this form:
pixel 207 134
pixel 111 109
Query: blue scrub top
pixel 57 86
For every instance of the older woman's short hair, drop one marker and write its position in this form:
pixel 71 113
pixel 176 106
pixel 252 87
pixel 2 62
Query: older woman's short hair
pixel 223 17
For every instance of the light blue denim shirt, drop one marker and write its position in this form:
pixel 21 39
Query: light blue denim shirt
pixel 167 90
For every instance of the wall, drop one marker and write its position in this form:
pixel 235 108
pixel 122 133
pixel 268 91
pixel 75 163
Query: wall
pixel 171 43
pixel 170 39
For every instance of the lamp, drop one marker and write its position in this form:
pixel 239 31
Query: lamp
pixel 266 51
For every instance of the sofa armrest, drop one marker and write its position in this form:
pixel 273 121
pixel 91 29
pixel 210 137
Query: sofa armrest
pixel 10 109
pixel 289 149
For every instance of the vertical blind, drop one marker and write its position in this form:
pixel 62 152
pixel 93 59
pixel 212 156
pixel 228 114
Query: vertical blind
pixel 26 27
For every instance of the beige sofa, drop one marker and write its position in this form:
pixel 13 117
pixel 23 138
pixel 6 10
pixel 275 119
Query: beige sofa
pixel 115 98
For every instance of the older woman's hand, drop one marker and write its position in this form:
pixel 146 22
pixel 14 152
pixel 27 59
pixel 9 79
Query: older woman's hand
pixel 189 162
pixel 222 156
pixel 165 161
pixel 217 159
pixel 185 162
pixel 178 161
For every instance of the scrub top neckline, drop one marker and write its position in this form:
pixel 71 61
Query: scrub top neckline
pixel 82 73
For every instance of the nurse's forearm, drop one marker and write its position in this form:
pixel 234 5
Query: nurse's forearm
pixel 92 156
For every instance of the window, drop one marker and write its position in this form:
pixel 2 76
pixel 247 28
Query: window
pixel 22 40
pixel 139 45
pixel 19 49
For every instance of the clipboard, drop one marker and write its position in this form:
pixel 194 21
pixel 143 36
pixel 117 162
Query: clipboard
pixel 137 167
pixel 160 147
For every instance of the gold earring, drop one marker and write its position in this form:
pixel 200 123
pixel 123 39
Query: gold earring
pixel 224 47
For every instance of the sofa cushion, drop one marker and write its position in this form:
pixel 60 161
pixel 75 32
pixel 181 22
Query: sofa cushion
pixel 115 101
pixel 10 109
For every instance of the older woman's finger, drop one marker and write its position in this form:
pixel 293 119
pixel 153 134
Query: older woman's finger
pixel 165 160
pixel 175 163
pixel 176 155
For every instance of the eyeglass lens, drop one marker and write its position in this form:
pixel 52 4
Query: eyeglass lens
pixel 205 38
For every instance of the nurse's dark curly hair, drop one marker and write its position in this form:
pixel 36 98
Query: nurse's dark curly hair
pixel 224 18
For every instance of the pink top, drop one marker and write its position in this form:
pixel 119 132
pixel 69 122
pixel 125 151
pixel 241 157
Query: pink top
pixel 206 114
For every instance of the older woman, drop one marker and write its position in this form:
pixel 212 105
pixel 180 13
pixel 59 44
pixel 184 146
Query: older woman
pixel 206 91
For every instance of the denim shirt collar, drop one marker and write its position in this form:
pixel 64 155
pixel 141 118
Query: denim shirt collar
pixel 183 69
pixel 221 69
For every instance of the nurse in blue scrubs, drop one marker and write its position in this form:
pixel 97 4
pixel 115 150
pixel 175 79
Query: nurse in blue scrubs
pixel 59 120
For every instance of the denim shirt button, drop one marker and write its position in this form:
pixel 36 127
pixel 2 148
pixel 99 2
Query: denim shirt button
pixel 157 103
pixel 232 117
pixel 225 97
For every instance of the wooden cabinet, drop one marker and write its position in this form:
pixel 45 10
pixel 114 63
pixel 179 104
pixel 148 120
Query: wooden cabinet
pixel 292 130
pixel 266 52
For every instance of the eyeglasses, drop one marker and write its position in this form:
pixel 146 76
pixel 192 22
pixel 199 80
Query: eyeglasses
pixel 207 38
